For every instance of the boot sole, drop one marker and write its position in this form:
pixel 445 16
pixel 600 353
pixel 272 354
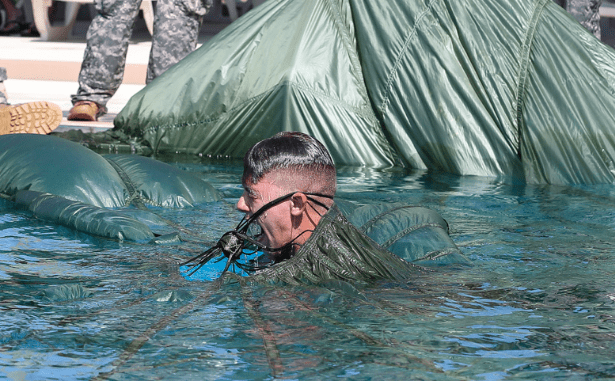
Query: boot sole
pixel 30 118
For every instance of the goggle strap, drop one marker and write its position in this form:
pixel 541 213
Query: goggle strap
pixel 243 224
pixel 241 230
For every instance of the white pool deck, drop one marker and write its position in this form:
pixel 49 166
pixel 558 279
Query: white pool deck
pixel 48 71
pixel 40 70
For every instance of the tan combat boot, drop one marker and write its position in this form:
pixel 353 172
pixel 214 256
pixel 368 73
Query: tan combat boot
pixel 85 110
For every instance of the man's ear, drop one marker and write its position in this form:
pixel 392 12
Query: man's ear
pixel 298 203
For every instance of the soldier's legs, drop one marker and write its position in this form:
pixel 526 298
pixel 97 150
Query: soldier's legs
pixel 3 100
pixel 103 64
pixel 176 30
pixel 587 13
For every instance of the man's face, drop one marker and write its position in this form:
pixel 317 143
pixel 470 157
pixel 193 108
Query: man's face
pixel 275 222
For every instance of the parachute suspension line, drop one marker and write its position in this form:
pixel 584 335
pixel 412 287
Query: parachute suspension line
pixel 524 65
pixel 137 343
pixel 363 336
pixel 402 53
pixel 365 111
pixel 271 349
pixel 133 195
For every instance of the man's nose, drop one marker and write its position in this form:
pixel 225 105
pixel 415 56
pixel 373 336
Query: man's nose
pixel 241 205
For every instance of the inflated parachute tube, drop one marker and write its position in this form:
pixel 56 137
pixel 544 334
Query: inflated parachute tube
pixel 417 234
pixel 84 217
pixel 74 186
pixel 48 164
pixel 57 166
pixel 159 184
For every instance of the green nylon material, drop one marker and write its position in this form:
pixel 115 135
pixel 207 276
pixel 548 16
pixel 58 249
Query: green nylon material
pixel 416 234
pixel 84 217
pixel 77 187
pixel 524 64
pixel 225 97
pixel 339 251
pixel 502 88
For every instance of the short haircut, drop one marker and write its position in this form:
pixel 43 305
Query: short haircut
pixel 305 158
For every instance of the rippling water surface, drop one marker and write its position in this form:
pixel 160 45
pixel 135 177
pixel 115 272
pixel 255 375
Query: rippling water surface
pixel 538 302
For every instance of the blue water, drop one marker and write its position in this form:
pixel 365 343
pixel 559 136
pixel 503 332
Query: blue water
pixel 538 302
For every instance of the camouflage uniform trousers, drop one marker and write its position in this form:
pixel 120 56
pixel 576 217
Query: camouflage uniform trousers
pixel 176 29
pixel 3 100
pixel 585 12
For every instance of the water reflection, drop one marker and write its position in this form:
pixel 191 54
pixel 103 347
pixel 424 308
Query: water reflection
pixel 538 302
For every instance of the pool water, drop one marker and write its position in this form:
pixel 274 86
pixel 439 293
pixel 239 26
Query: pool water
pixel 537 303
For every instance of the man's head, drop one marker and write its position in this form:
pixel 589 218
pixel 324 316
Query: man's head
pixel 294 154
pixel 287 163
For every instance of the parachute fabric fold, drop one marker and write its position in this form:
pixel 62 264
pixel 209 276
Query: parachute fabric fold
pixel 66 183
pixel 569 135
pixel 513 88
pixel 417 234
pixel 490 87
pixel 337 251
pixel 287 65
pixel 53 165
pixel 160 184
pixel 84 217
pixel 57 166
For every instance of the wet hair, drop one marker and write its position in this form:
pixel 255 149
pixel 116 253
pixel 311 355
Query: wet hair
pixel 305 159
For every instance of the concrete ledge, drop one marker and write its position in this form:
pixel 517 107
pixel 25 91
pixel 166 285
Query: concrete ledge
pixel 607 10
pixel 87 127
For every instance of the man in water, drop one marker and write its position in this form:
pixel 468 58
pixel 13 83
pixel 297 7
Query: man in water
pixel 292 164
pixel 289 183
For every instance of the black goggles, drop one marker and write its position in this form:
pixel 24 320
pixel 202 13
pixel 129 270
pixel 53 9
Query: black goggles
pixel 239 241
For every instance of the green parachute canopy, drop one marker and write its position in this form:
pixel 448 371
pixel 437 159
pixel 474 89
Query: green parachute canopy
pixel 513 88
pixel 66 183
